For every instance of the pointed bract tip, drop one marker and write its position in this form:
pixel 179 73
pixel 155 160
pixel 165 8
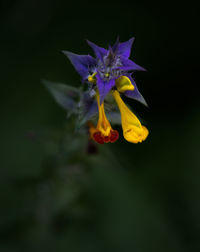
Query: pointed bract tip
pixel 132 39
pixel 90 43
pixel 115 46
pixel 142 69
pixel 67 53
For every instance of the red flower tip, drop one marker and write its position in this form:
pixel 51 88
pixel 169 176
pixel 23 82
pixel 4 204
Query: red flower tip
pixel 101 139
pixel 97 136
pixel 114 135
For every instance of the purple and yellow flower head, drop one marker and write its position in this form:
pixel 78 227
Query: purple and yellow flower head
pixel 110 72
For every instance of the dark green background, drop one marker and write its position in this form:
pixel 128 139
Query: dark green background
pixel 54 195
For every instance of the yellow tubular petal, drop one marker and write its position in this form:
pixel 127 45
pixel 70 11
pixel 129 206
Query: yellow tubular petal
pixel 103 124
pixel 133 131
pixel 127 115
pixel 123 84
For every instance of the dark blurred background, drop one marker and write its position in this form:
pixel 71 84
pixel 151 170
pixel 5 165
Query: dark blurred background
pixel 55 194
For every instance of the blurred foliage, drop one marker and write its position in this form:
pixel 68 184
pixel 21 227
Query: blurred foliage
pixel 89 198
pixel 59 191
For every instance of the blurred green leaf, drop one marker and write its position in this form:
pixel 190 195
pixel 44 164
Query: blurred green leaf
pixel 66 96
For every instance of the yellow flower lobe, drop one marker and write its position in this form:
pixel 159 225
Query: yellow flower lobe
pixel 133 131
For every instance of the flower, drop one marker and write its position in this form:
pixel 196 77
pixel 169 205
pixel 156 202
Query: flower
pixel 107 67
pixel 133 131
pixel 110 72
pixel 103 133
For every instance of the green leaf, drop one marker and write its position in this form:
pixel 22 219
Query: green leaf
pixel 66 96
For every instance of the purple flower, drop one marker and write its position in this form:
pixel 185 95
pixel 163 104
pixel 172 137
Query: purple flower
pixel 104 71
pixel 109 72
